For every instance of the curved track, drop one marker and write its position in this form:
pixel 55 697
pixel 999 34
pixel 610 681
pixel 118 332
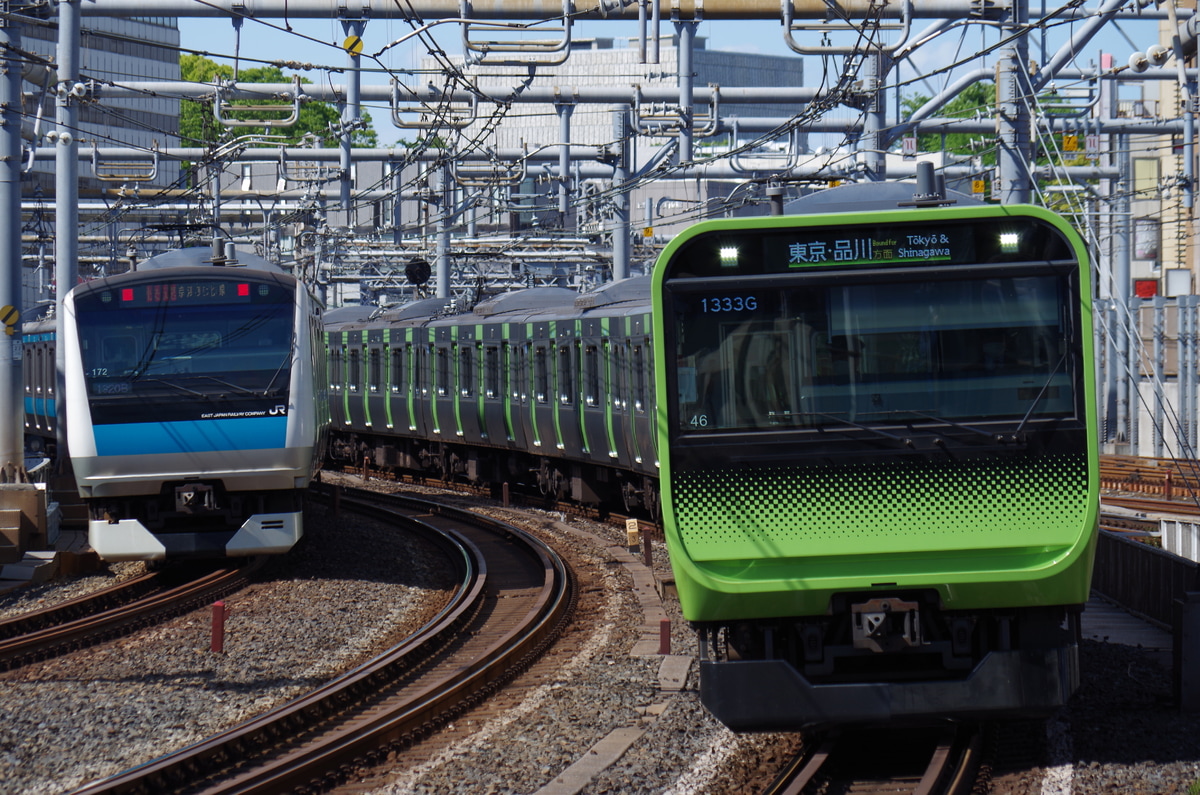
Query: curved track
pixel 514 597
pixel 113 612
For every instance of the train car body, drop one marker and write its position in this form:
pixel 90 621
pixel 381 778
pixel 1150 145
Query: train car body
pixel 879 463
pixel 196 407
pixel 539 386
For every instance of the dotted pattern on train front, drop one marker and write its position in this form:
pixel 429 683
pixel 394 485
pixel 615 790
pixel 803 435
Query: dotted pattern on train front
pixel 783 512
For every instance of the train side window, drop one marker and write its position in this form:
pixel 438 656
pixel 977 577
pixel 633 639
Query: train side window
pixel 566 376
pixel 466 370
pixel 354 366
pixel 639 378
pixel 491 371
pixel 541 375
pixel 375 370
pixel 442 373
pixel 591 375
pixel 397 370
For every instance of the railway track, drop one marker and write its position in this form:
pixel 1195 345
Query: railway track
pixel 922 761
pixel 116 611
pixel 514 597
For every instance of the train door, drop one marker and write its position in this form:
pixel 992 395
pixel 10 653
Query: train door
pixel 542 389
pixel 593 394
pixel 519 390
pixel 566 397
pixel 618 397
pixel 442 386
pixel 375 394
pixel 471 389
pixel 420 396
pixel 495 393
pixel 513 390
pixel 641 408
pixel 356 349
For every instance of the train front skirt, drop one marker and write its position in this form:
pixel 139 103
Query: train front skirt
pixel 771 695
pixel 261 534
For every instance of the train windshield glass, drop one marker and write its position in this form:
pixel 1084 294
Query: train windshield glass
pixel 822 355
pixel 226 357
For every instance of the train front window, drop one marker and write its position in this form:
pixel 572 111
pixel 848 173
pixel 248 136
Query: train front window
pixel 187 353
pixel 822 355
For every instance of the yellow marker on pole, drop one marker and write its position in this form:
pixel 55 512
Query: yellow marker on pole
pixel 9 315
pixel 353 45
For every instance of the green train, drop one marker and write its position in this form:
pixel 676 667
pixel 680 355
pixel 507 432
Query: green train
pixel 870 437
pixel 878 460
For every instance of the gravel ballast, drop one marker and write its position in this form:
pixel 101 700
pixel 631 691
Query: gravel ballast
pixel 350 590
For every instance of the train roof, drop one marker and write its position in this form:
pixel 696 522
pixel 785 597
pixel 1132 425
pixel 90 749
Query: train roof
pixel 425 308
pixel 860 197
pixel 535 300
pixel 201 256
pixel 613 294
pixel 345 315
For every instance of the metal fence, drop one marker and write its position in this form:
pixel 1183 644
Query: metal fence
pixel 1148 374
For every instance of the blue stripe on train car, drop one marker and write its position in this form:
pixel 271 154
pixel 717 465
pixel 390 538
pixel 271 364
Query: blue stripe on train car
pixel 40 407
pixel 192 436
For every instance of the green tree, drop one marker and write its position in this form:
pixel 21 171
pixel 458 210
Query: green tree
pixel 199 127
pixel 976 99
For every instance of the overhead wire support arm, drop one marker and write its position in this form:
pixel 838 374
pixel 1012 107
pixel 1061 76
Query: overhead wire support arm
pixel 543 52
pixel 847 24
pixel 443 116
pixel 125 169
pixel 222 106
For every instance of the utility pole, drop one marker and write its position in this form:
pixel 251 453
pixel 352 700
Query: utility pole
pixel 12 414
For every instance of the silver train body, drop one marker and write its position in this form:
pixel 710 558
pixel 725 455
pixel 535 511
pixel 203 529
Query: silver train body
pixel 195 406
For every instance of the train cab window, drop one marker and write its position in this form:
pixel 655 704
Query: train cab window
pixel 491 371
pixel 566 376
pixel 443 371
pixel 591 375
pixel 466 370
pixel 541 375
pixel 397 371
pixel 354 370
pixel 375 370
pixel 639 378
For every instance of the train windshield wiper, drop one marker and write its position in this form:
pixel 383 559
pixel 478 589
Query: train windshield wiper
pixel 278 370
pixel 877 431
pixel 1038 398
pixel 241 390
pixel 173 385
pixel 943 420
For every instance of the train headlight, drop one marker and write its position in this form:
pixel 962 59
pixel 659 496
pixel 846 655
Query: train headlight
pixel 1010 242
pixel 729 256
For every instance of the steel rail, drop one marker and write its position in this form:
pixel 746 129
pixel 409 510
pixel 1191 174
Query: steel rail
pixel 452 662
pixel 55 630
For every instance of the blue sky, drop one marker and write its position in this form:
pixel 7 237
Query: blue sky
pixel 319 42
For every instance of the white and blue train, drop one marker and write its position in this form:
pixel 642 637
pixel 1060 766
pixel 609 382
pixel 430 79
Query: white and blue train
pixel 196 406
